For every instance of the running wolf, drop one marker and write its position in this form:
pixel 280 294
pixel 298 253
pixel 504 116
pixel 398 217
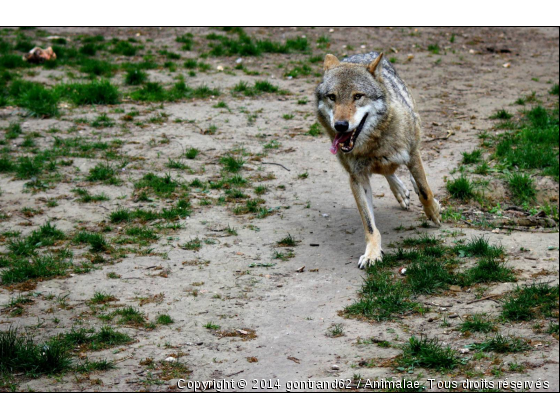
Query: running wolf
pixel 370 117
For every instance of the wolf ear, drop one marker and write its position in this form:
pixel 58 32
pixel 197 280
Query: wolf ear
pixel 372 67
pixel 330 62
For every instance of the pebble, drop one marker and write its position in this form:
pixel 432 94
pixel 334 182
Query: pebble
pixel 335 367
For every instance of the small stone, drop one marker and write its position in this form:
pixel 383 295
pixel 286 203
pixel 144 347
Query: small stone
pixel 464 351
pixel 171 359
pixel 335 367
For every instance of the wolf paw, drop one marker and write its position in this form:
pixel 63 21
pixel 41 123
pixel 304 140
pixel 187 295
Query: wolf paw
pixel 403 197
pixel 433 212
pixel 371 256
pixel 400 192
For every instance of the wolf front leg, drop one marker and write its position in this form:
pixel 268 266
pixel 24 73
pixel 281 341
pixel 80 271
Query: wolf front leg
pixel 431 205
pixel 362 194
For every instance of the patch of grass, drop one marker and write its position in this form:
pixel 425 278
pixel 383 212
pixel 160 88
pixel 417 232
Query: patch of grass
pixel 428 276
pixel 96 92
pixel 88 339
pixel 531 144
pixel 479 246
pixel 46 234
pixel 501 114
pixel 284 256
pixel 211 326
pixel 232 164
pixel 192 245
pixel 461 188
pixel 421 240
pixel 427 353
pixel 128 316
pixel 95 240
pixel 135 77
pixel 19 353
pixel 86 197
pixel 287 241
pixel 93 366
pixel 164 319
pixel 315 130
pixel 162 186
pixel 261 86
pixel 13 131
pixel 192 153
pixel 97 68
pixel 121 215
pixel 103 172
pixel 531 301
pixel 42 267
pixel 503 344
pixel 522 188
pixel 221 105
pixel 554 89
pixel 336 330
pixel 100 298
pixel 471 158
pixel 187 41
pixel 553 328
pixel 103 121
pixel 482 169
pixel 260 189
pixel 39 101
pixel 124 48
pixel 381 298
pixel 487 270
pixel 433 48
pixel 244 45
pixel 142 233
pixel 477 323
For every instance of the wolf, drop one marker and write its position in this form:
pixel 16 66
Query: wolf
pixel 370 116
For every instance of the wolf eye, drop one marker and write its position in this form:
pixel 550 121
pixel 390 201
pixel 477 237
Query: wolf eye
pixel 358 96
pixel 332 97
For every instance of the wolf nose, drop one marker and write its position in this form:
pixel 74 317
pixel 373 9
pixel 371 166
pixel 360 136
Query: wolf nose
pixel 341 126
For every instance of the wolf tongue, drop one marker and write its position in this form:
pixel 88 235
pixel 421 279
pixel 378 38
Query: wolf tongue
pixel 339 138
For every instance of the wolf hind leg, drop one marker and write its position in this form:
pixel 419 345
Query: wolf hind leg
pixel 416 190
pixel 430 204
pixel 400 192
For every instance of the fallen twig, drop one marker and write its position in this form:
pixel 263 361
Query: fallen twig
pixel 490 297
pixel 277 164
pixel 236 373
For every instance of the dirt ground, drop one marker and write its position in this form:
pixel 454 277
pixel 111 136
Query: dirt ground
pixel 285 307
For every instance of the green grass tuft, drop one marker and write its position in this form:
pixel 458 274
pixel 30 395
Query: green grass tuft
pixel 461 188
pixel 427 353
pixel 477 323
pixel 96 92
pixel 522 188
pixel 531 301
pixel 471 158
pixel 502 344
pixel 501 114
pixel 382 299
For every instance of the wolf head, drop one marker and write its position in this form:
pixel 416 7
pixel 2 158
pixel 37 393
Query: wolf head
pixel 351 101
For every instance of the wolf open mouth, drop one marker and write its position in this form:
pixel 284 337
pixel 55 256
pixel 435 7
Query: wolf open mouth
pixel 346 140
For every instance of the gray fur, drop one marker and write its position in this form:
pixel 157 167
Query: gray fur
pixel 392 79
